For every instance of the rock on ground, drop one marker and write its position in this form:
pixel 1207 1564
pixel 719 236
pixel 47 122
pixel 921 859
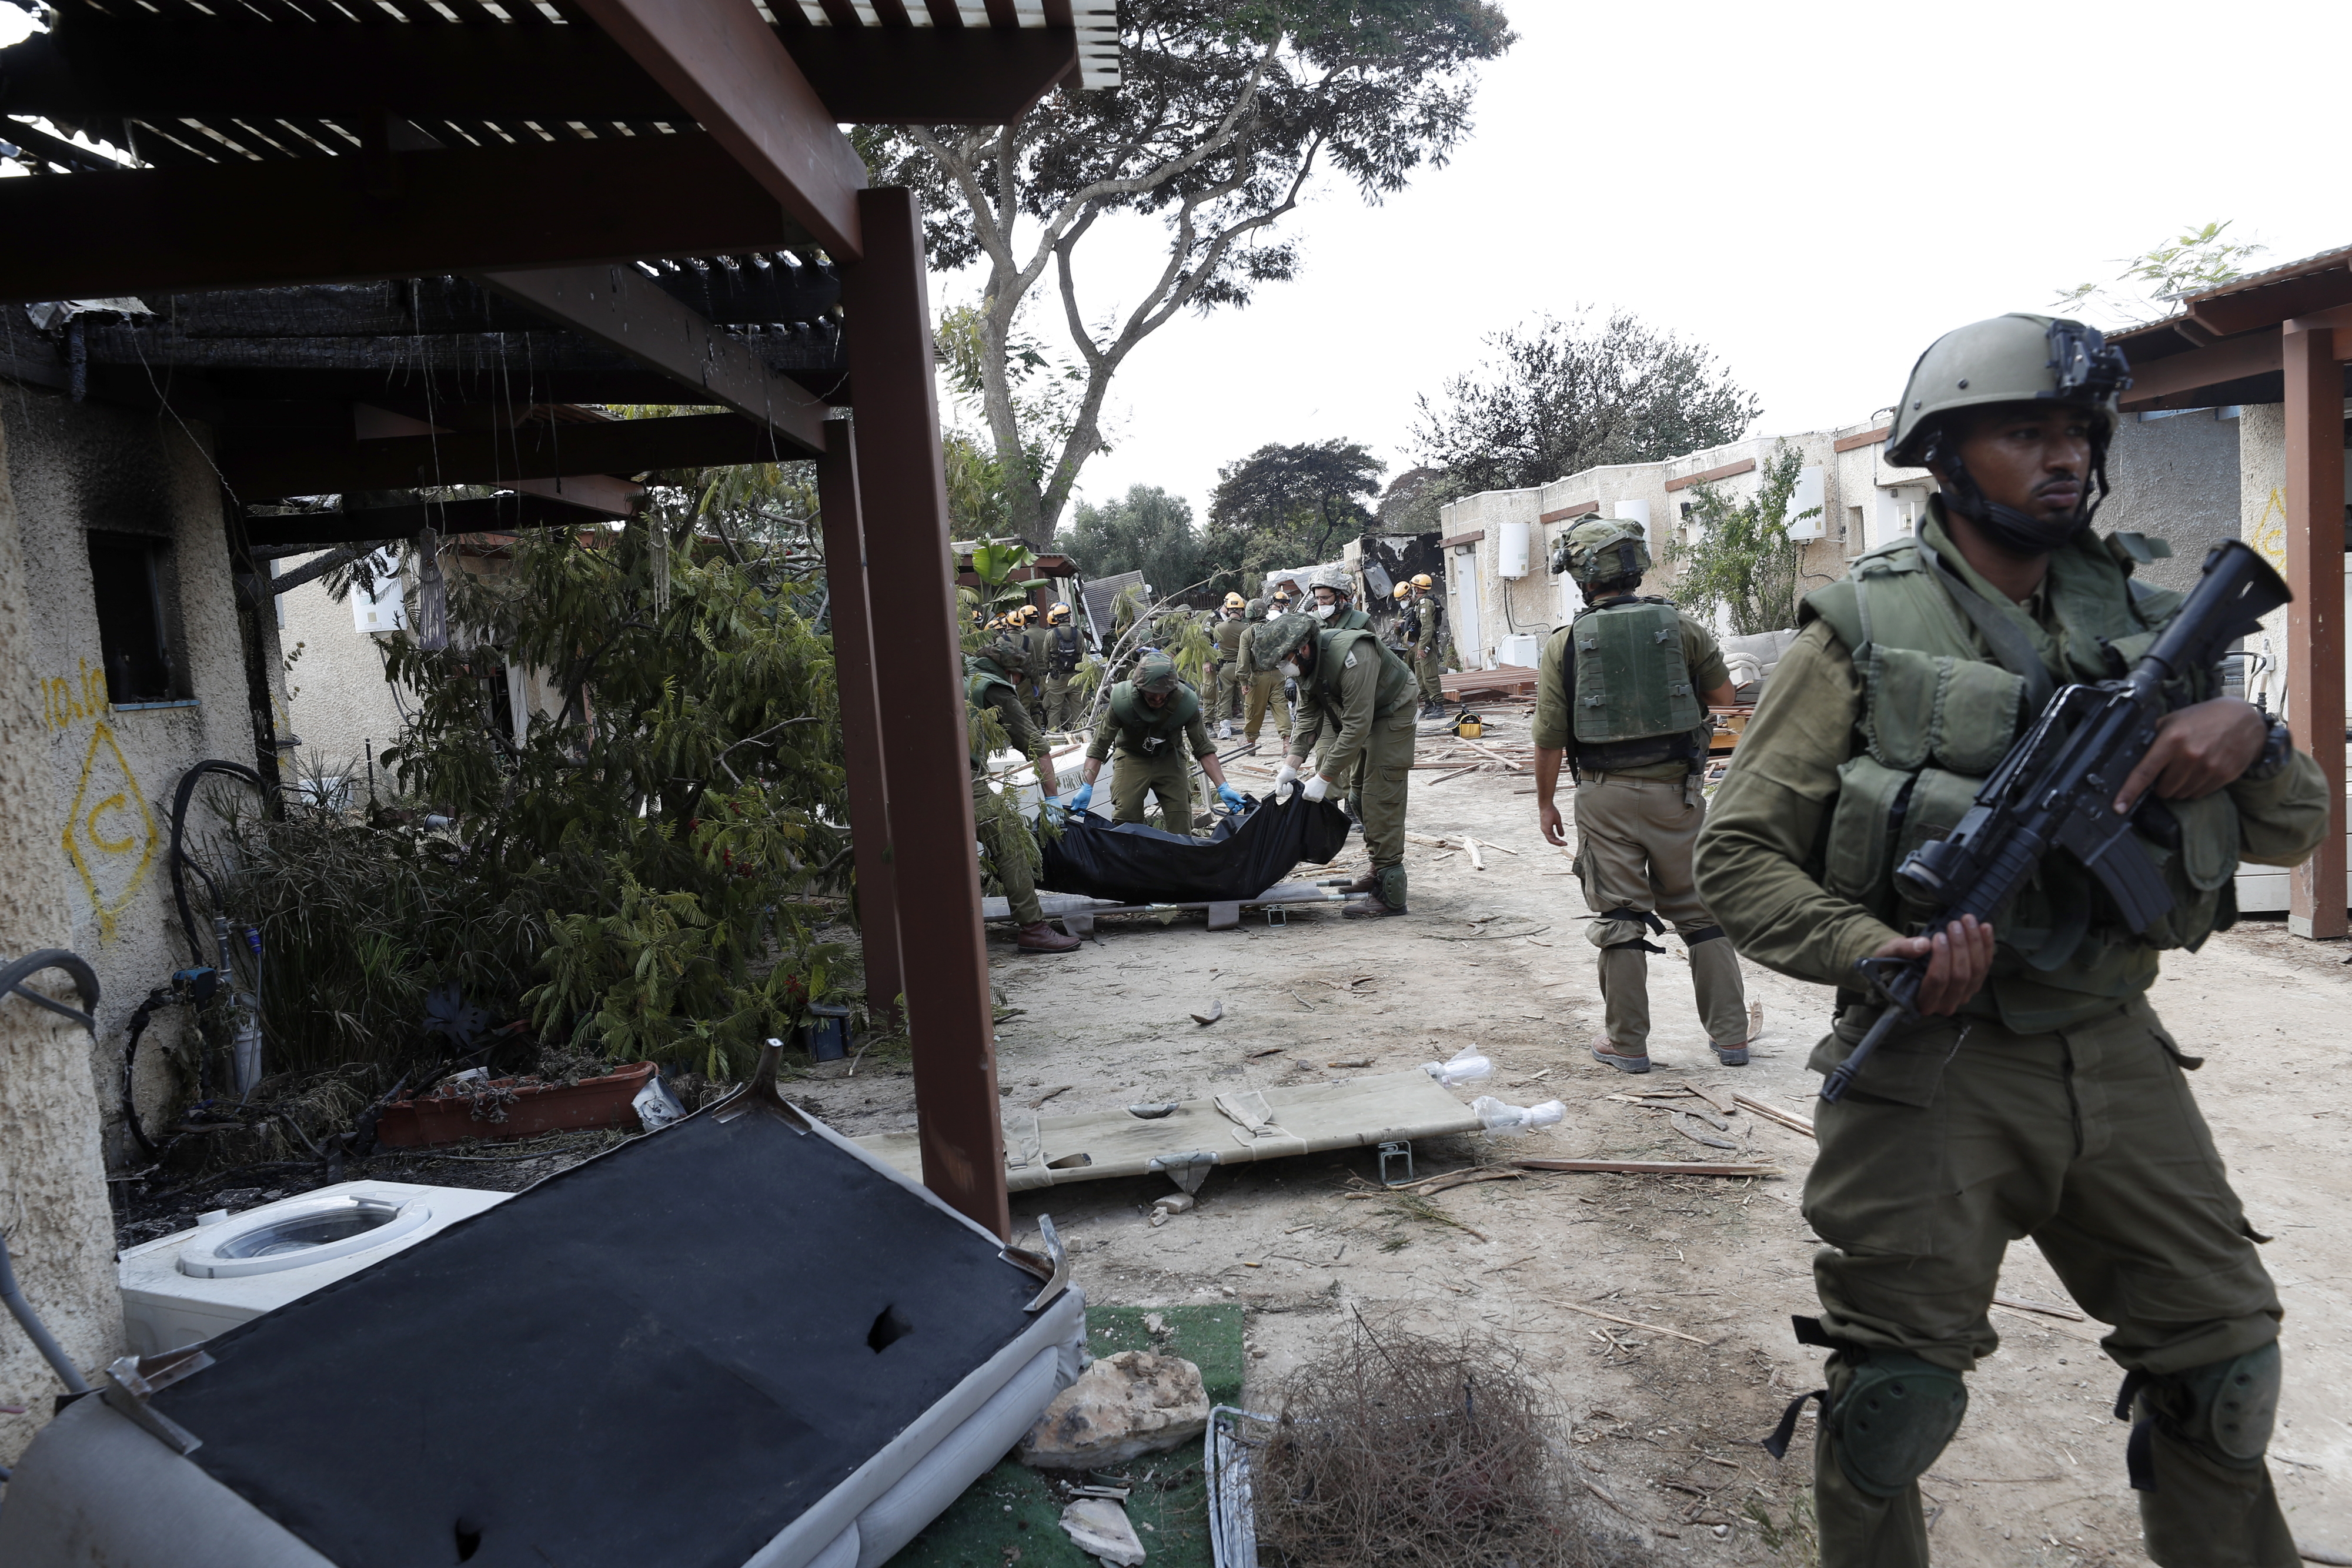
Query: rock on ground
pixel 1124 1405
pixel 1099 1525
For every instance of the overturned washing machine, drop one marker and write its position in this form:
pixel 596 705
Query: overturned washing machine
pixel 231 1269
pixel 739 1340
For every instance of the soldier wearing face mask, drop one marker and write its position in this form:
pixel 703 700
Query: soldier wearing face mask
pixel 1333 606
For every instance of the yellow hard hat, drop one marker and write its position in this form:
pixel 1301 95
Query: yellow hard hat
pixel 1234 601
pixel 1022 616
pixel 1423 580
pixel 1057 615
pixel 1401 589
pixel 995 623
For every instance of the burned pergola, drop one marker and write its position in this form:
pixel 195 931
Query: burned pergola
pixel 396 245
pixel 2283 336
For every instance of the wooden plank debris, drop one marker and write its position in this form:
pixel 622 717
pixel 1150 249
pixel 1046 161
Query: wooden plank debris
pixel 1630 1323
pixel 1647 1167
pixel 2019 1305
pixel 1787 1119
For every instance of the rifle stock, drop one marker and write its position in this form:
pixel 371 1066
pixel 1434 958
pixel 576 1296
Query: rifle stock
pixel 2057 785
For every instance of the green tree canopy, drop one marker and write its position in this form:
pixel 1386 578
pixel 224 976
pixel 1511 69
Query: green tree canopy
pixel 1285 505
pixel 1146 530
pixel 1225 114
pixel 1563 396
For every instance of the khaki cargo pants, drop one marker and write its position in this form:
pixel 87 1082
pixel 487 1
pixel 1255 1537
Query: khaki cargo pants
pixel 1011 849
pixel 1428 666
pixel 1962 1136
pixel 1378 784
pixel 1266 690
pixel 1168 776
pixel 1634 839
pixel 1224 692
pixel 1059 701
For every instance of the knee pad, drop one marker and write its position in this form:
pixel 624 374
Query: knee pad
pixel 1894 1416
pixel 2223 1409
pixel 1392 885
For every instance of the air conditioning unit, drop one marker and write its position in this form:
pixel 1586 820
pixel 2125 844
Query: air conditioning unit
pixel 1521 648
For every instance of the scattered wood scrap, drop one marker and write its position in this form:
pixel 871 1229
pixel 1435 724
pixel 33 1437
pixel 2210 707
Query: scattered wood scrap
pixel 1787 1119
pixel 1216 1010
pixel 1630 1323
pixel 1450 1179
pixel 1062 1088
pixel 2019 1305
pixel 1647 1167
pixel 1722 1107
pixel 1676 1119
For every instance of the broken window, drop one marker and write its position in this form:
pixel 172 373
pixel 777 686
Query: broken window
pixel 128 574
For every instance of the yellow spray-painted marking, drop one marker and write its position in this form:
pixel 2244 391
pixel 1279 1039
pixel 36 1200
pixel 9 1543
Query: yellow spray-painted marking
pixel 65 699
pixel 111 870
pixel 2269 533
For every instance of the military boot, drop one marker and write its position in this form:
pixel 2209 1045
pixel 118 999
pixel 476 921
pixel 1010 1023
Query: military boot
pixel 1367 882
pixel 1043 938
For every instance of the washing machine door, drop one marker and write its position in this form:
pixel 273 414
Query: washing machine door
pixel 300 1231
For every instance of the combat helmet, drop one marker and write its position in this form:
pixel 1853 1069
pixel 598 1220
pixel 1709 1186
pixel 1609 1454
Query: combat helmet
pixel 1335 578
pixel 2011 359
pixel 1155 671
pixel 1278 636
pixel 1602 549
pixel 1255 610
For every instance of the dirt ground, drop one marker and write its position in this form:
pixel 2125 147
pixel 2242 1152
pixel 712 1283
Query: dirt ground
pixel 1665 1428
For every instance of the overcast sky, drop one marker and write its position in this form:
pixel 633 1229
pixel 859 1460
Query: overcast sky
pixel 1813 190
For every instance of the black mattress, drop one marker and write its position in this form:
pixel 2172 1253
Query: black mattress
pixel 662 1357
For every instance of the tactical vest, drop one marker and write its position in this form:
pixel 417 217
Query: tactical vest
pixel 1347 620
pixel 1332 651
pixel 1632 700
pixel 979 675
pixel 1939 716
pixel 1149 731
pixel 1065 651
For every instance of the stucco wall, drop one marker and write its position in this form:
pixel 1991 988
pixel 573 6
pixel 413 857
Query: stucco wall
pixel 2177 480
pixel 1538 601
pixel 338 701
pixel 85 793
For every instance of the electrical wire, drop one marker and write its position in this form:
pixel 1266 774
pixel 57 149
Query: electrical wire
pixel 35 1330
pixel 85 980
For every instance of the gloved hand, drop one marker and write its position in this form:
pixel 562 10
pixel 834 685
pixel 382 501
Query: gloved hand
pixel 1317 787
pixel 1283 777
pixel 1229 796
pixel 1081 798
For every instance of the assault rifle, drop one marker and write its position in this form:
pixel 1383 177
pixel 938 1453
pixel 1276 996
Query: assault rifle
pixel 2057 787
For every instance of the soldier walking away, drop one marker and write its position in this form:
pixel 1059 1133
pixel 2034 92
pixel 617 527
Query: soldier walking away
pixel 1428 645
pixel 1224 665
pixel 1333 606
pixel 1065 650
pixel 1149 718
pixel 1356 696
pixel 1264 683
pixel 2038 1093
pixel 1618 699
pixel 988 685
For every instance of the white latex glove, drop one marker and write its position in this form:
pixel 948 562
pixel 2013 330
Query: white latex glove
pixel 1317 787
pixel 1283 777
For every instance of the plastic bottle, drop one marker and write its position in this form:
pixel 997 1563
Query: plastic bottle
pixel 1466 1067
pixel 1500 1116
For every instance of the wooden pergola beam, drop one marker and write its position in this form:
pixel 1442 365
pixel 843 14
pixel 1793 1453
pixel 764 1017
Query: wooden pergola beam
pixel 623 309
pixel 308 466
pixel 724 64
pixel 2227 361
pixel 388 215
pixel 163 68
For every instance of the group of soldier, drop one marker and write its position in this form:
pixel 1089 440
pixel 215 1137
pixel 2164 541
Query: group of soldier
pixel 2036 1092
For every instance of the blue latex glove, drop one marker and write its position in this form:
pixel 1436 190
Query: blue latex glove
pixel 1229 796
pixel 1082 798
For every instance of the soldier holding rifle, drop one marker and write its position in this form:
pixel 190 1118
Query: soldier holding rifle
pixel 2031 1089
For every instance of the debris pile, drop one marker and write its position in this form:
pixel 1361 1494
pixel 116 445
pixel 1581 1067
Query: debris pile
pixel 1396 1448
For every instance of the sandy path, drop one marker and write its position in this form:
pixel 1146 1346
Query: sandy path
pixel 1665 1428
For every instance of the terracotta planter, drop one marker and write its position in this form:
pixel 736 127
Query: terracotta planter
pixel 528 1106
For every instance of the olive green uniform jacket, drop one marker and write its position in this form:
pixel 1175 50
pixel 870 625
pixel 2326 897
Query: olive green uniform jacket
pixel 1555 727
pixel 1012 850
pixel 1151 761
pixel 2055 1105
pixel 1356 715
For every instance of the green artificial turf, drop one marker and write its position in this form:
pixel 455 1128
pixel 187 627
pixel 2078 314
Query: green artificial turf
pixel 1011 1515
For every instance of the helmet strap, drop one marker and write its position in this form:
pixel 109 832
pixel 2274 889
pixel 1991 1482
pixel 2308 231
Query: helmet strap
pixel 2012 529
